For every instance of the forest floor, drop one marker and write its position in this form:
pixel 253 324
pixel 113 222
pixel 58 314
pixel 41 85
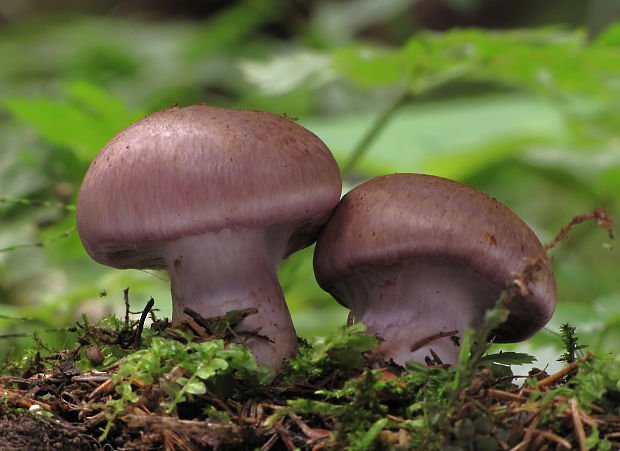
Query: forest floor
pixel 156 398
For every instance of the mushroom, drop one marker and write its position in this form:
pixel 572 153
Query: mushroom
pixel 418 259
pixel 218 198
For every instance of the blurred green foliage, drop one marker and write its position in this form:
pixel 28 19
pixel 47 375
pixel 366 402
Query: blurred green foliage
pixel 529 116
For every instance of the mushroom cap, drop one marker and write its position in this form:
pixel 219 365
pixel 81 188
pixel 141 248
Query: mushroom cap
pixel 188 171
pixel 405 217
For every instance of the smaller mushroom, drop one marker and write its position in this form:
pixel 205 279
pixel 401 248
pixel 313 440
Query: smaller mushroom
pixel 419 259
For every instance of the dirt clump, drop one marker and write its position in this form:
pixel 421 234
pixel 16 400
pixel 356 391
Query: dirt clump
pixel 20 432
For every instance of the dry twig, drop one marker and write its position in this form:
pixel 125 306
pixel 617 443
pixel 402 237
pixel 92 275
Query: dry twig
pixel 578 425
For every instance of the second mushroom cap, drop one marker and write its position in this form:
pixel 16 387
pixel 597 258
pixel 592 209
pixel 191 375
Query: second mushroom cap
pixel 414 256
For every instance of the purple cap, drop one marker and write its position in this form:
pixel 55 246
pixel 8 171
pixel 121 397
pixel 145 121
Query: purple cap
pixel 186 171
pixel 410 222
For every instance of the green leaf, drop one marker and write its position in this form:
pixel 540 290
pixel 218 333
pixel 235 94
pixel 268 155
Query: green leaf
pixel 83 122
pixel 283 73
pixel 610 36
pixel 111 111
pixel 208 369
pixel 195 388
pixel 370 436
pixel 361 342
pixel 371 66
pixel 452 138
pixel 508 358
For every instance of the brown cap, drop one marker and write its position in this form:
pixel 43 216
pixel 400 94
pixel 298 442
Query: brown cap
pixel 415 217
pixel 185 171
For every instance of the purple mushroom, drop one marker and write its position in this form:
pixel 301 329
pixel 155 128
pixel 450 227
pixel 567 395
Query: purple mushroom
pixel 419 259
pixel 218 198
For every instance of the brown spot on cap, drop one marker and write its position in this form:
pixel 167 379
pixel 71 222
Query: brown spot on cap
pixel 490 239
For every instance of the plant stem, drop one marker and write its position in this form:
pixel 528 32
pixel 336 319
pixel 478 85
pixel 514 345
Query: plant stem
pixel 377 127
pixel 38 203
pixel 15 247
pixel 410 90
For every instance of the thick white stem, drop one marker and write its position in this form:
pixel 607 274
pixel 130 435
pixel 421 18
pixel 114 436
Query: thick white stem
pixel 407 304
pixel 215 273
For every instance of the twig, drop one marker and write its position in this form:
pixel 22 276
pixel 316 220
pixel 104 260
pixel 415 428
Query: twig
pixel 197 328
pixel 91 378
pixel 211 432
pixel 528 434
pixel 145 312
pixel 504 395
pixel 350 318
pixel 269 443
pixel 96 419
pixel 564 371
pixel 599 214
pixel 174 442
pixel 605 418
pixel 283 433
pixel 197 317
pixel 436 359
pixel 126 299
pixel 104 388
pixel 421 343
pixel 311 433
pixel 581 435
pixel 553 437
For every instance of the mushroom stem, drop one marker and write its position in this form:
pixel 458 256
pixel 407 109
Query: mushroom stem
pixel 413 305
pixel 217 272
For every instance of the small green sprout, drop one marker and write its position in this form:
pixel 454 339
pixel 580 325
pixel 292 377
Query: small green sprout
pixel 571 344
pixel 182 372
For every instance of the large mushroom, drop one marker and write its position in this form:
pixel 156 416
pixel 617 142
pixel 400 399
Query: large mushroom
pixel 218 198
pixel 419 259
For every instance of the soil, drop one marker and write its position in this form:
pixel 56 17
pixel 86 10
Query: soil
pixel 20 432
